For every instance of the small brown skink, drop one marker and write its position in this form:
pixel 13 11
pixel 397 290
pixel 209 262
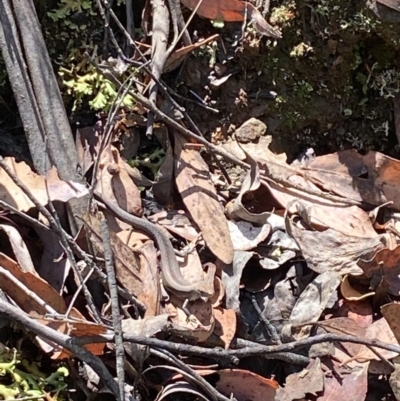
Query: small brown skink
pixel 170 272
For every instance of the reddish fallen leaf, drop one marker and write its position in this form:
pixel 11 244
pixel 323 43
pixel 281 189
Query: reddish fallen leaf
pixel 391 313
pixel 353 385
pixel 150 293
pixel 378 330
pixel 225 325
pixel 372 178
pixel 309 381
pixel 346 326
pixel 33 283
pixel 245 385
pixel 324 213
pixel 386 266
pixel 200 198
pixel 73 329
pixel 58 190
pixel 201 324
pixel 114 182
pixel 231 11
pixel 352 294
pixel 360 312
pixel 176 58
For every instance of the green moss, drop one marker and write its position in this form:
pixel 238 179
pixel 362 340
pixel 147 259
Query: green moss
pixel 335 71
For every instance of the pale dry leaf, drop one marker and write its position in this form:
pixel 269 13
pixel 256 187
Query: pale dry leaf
pixel 136 176
pixel 63 191
pixel 286 290
pixel 343 357
pixel 321 350
pixel 219 293
pixel 176 222
pixel 200 324
pixel 279 249
pixel 177 57
pixel 150 293
pixel 348 220
pixel 126 192
pixel 245 236
pixel 251 183
pixel 394 381
pixel 191 268
pixel 103 177
pixel 331 250
pixel 58 190
pixel 200 198
pixel 232 146
pixel 146 327
pixel 19 248
pixel 313 301
pixel 231 277
pixel 260 151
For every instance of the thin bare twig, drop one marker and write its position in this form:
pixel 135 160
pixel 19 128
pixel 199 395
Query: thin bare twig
pixel 82 255
pixel 254 350
pixel 289 357
pixel 177 39
pixel 268 326
pixel 57 229
pixel 192 375
pixel 112 285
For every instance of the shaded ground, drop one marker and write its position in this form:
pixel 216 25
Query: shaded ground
pixel 333 73
pixel 329 83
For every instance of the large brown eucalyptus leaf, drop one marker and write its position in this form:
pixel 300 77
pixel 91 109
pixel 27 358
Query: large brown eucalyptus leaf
pixel 200 198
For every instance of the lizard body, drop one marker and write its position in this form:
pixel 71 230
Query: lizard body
pixel 170 271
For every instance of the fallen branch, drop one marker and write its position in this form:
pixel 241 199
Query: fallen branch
pixel 25 321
